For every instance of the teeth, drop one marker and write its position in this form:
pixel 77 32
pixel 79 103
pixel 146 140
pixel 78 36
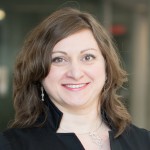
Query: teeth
pixel 74 86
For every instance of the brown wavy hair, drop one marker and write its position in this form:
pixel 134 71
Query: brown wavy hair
pixel 33 65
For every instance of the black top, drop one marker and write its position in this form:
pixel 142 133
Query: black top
pixel 46 138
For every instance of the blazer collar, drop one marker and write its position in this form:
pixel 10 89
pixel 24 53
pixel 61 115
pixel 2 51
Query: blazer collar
pixel 54 114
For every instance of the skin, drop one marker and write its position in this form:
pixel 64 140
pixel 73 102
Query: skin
pixel 74 84
pixel 77 73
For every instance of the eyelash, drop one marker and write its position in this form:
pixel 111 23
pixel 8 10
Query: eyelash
pixel 58 60
pixel 85 58
pixel 90 56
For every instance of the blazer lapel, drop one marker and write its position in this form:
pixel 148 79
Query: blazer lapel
pixel 114 142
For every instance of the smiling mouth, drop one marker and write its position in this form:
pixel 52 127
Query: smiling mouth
pixel 75 86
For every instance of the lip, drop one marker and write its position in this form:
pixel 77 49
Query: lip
pixel 75 87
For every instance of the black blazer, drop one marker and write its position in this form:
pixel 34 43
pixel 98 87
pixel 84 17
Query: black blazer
pixel 46 138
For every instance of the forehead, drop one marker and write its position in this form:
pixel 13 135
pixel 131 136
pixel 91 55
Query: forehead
pixel 80 40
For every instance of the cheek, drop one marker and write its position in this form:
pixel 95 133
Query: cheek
pixel 98 72
pixel 49 83
pixel 53 76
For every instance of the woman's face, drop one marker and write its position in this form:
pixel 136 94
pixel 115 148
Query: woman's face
pixel 77 73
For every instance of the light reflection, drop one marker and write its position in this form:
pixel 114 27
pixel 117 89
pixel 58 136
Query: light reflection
pixel 2 14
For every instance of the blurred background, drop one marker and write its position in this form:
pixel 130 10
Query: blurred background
pixel 128 21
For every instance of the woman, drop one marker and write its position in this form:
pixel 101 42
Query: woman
pixel 65 90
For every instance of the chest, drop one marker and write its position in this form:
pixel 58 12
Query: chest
pixel 61 141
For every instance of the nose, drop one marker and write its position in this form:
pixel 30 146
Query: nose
pixel 75 71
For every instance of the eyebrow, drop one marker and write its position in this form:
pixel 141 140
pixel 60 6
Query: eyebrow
pixel 82 51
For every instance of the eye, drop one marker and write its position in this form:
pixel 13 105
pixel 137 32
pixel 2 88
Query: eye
pixel 89 57
pixel 58 60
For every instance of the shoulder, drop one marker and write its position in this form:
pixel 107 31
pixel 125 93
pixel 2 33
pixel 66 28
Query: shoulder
pixel 17 138
pixel 136 137
pixel 133 130
pixel 25 138
pixel 18 134
pixel 4 144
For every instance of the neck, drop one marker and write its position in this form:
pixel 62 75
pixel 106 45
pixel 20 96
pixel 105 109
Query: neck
pixel 80 122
